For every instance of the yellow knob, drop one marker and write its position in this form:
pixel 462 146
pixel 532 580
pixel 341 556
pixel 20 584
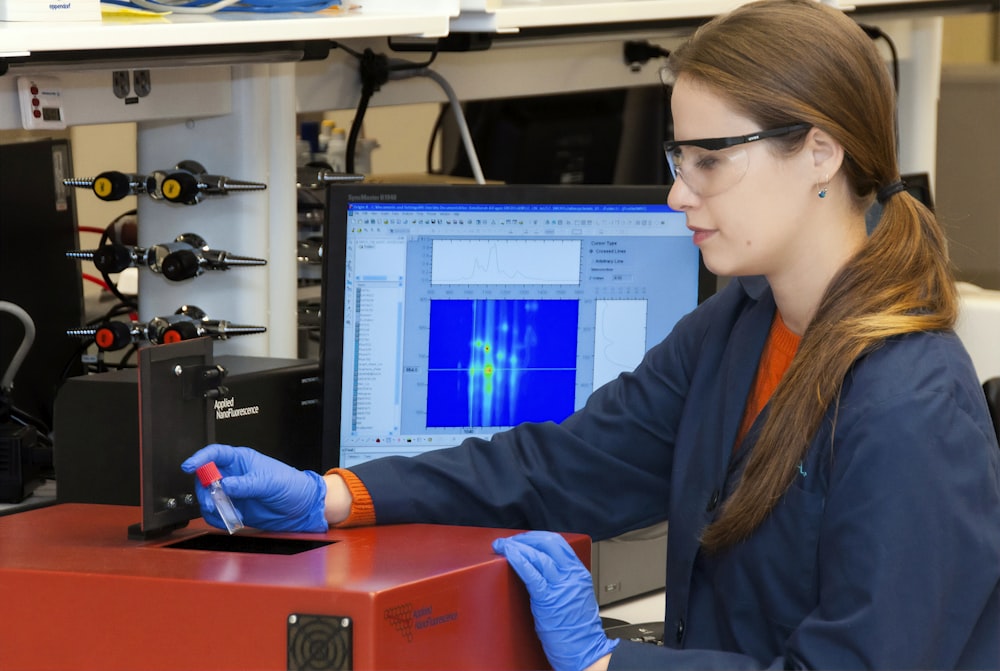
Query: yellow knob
pixel 102 187
pixel 171 189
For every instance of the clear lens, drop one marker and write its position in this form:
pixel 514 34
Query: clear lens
pixel 707 172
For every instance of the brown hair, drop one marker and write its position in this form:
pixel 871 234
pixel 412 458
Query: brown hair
pixel 788 61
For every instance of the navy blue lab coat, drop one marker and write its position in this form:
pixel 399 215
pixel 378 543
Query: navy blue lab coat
pixel 884 553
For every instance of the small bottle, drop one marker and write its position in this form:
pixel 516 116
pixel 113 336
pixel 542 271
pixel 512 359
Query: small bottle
pixel 326 127
pixel 210 478
pixel 336 150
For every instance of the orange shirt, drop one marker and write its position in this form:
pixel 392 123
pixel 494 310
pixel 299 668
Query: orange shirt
pixel 777 356
pixel 774 361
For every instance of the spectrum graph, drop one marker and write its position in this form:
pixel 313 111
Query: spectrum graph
pixel 496 363
pixel 509 262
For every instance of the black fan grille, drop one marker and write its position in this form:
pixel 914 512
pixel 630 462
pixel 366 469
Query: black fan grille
pixel 319 642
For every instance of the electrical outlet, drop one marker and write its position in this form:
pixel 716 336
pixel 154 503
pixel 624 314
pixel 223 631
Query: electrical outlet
pixel 141 82
pixel 120 83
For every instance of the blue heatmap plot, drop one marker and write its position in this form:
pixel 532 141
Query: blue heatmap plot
pixel 501 362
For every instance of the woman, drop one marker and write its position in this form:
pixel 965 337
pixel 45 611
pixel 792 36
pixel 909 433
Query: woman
pixel 815 432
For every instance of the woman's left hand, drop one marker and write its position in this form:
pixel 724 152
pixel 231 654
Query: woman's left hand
pixel 562 598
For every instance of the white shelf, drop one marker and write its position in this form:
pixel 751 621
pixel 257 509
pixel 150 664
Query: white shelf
pixel 511 16
pixel 372 19
pixel 504 16
pixel 366 19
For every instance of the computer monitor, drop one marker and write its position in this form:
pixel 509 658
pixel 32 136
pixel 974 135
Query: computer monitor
pixel 462 310
pixel 612 136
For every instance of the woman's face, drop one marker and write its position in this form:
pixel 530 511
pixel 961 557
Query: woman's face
pixel 745 205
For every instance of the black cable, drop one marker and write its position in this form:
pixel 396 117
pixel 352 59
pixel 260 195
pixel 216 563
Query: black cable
pixel 112 285
pixel 115 311
pixel 374 71
pixel 76 356
pixel 352 136
pixel 352 52
pixel 41 451
pixel 435 133
pixel 123 362
pixel 877 33
pixel 26 419
pixel 99 365
pixel 409 65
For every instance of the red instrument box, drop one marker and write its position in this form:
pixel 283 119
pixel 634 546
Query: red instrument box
pixel 78 594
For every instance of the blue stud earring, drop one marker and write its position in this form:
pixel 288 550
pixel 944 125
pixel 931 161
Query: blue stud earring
pixel 822 189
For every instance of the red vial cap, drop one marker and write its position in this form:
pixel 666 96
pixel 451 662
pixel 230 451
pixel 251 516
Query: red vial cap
pixel 208 473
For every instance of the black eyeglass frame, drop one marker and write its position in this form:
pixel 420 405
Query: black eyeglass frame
pixel 717 143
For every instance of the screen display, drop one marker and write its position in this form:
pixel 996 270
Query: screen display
pixel 468 310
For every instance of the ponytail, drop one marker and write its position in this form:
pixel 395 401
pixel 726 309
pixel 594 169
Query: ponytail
pixel 900 282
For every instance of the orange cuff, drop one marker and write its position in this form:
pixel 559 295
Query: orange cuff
pixel 362 509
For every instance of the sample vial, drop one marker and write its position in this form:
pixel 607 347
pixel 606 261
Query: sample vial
pixel 209 476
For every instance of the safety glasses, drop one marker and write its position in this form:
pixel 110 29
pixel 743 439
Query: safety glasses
pixel 713 165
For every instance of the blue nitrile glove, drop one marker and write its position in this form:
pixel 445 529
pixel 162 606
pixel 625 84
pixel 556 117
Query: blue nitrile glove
pixel 562 598
pixel 268 494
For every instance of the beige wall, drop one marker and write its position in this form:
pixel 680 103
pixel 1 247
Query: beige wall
pixel 970 38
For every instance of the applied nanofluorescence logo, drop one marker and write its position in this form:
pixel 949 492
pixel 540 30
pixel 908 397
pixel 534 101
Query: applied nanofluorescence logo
pixel 406 619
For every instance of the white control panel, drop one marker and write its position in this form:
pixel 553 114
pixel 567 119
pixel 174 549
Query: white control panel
pixel 41 101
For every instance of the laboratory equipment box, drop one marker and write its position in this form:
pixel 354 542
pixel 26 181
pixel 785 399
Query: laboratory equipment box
pixel 393 597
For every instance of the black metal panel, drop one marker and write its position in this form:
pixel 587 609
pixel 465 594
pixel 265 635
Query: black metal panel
pixel 175 418
pixel 195 54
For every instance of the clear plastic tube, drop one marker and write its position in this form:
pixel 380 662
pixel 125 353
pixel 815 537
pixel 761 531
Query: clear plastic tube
pixel 210 478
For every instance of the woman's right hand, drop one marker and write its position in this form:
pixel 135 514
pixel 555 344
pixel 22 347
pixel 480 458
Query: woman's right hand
pixel 268 494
